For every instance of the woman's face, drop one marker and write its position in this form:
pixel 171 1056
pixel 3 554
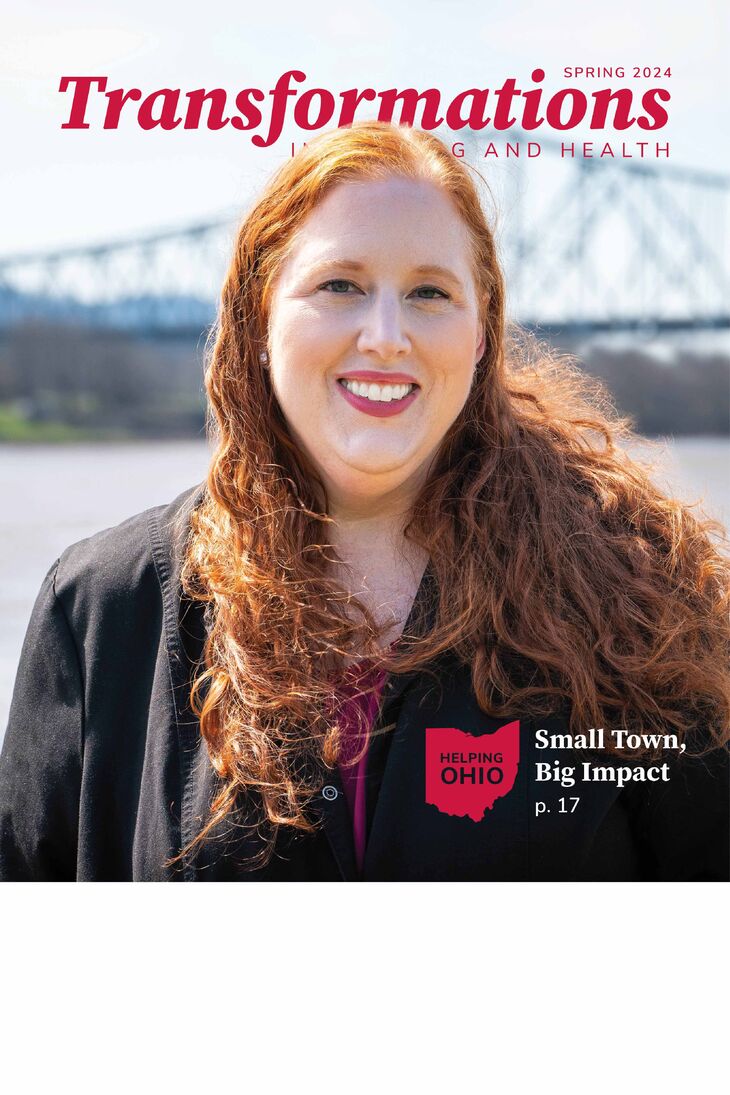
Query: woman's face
pixel 374 335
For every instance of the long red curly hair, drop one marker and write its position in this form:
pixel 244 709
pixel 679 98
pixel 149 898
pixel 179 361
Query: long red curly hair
pixel 564 578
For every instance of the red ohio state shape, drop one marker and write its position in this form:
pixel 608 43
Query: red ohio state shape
pixel 467 773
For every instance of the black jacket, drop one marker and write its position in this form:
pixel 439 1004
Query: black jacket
pixel 103 774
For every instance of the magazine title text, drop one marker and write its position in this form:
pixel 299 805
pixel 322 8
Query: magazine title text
pixel 314 108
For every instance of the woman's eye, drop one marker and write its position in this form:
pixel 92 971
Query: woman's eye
pixel 338 285
pixel 430 292
pixel 343 287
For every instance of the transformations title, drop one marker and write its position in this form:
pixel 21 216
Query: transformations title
pixel 312 109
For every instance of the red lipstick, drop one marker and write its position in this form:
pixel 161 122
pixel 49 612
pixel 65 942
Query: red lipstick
pixel 371 406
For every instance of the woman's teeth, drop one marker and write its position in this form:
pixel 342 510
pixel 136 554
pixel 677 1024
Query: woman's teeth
pixel 379 393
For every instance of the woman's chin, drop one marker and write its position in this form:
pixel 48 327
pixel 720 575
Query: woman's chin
pixel 380 477
pixel 377 454
pixel 370 468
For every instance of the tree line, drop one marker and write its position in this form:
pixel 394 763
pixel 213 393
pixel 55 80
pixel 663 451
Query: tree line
pixel 103 383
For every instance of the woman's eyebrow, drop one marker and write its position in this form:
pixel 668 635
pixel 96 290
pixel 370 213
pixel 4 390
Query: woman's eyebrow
pixel 324 265
pixel 439 272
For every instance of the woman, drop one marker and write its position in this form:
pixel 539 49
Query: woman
pixel 400 632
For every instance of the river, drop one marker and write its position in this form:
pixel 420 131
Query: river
pixel 55 495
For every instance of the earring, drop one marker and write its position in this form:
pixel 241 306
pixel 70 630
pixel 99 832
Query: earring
pixel 264 357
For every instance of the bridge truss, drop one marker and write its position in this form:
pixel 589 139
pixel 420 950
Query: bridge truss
pixel 588 245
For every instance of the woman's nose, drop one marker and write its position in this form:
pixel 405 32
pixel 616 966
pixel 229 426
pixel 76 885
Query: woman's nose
pixel 383 333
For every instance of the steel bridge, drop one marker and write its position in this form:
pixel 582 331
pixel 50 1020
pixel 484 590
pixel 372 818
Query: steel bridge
pixel 589 245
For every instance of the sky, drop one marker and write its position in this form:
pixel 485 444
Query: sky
pixel 64 187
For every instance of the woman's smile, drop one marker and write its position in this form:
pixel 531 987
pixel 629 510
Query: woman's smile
pixel 381 395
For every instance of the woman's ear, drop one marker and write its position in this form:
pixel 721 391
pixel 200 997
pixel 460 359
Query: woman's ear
pixel 482 345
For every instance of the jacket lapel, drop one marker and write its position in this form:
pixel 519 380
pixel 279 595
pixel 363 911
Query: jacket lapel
pixel 335 813
pixel 168 533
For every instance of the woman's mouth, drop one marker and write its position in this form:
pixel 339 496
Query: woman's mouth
pixel 380 400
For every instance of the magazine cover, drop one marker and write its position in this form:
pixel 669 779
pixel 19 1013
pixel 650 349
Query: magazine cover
pixel 364 434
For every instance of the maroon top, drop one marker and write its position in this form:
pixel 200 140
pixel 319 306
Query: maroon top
pixel 356 679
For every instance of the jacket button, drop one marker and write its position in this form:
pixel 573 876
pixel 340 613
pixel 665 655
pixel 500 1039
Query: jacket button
pixel 329 792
